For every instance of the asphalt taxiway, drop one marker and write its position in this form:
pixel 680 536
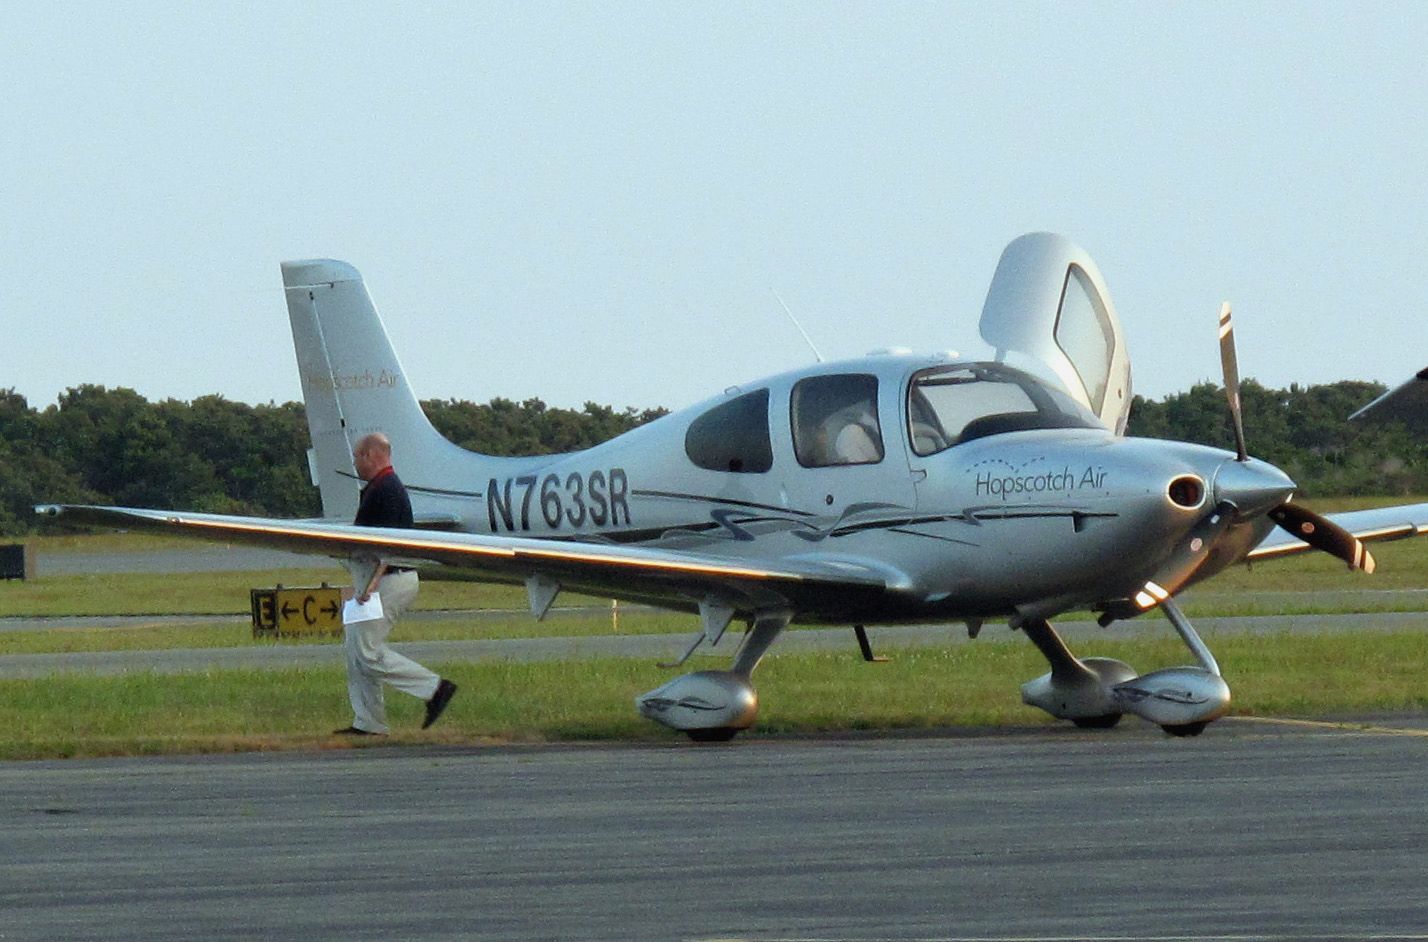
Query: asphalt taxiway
pixel 1253 830
pixel 1259 829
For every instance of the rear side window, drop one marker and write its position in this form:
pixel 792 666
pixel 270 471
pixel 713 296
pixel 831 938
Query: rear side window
pixel 835 421
pixel 733 436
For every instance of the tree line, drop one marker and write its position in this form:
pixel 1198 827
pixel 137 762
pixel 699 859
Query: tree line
pixel 113 446
pixel 1304 430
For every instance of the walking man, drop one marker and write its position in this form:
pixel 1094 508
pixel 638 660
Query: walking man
pixel 370 663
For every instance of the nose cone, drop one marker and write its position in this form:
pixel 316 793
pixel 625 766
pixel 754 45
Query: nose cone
pixel 1254 487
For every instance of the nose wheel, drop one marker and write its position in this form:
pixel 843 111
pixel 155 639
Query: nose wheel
pixel 1095 692
pixel 1185 730
pixel 718 734
pixel 1107 721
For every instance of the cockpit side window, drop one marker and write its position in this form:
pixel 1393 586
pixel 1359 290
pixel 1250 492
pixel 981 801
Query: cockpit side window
pixel 835 420
pixel 733 436
pixel 1085 334
pixel 950 405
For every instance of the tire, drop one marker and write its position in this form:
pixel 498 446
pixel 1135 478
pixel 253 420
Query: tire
pixel 717 734
pixel 1186 729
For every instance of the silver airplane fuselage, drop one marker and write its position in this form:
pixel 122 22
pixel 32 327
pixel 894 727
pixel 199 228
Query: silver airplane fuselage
pixel 1030 521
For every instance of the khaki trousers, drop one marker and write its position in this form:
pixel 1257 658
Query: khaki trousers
pixel 370 663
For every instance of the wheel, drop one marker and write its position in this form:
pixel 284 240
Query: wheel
pixel 1186 729
pixel 717 734
pixel 1098 722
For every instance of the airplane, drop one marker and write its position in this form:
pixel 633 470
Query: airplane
pixel 893 488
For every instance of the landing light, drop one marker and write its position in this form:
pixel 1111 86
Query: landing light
pixel 1150 596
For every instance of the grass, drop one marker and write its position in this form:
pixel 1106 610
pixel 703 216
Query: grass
pixel 1312 583
pixel 924 688
pixel 1402 564
pixel 219 593
pixel 163 636
pixel 1307 584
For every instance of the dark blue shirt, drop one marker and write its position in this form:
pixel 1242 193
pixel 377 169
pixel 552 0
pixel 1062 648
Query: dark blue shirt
pixel 384 502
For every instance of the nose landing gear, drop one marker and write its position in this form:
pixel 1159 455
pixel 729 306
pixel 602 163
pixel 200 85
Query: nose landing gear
pixel 1096 692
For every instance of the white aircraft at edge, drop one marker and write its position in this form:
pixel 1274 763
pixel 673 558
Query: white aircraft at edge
pixel 892 488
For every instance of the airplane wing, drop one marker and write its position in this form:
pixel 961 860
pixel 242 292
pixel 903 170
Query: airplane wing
pixel 1379 524
pixel 675 579
pixel 1406 403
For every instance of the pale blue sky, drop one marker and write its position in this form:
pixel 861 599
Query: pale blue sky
pixel 593 201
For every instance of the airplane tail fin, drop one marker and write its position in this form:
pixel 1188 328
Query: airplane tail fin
pixel 353 384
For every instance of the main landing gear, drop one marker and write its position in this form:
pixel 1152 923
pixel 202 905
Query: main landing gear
pixel 715 706
pixel 1095 692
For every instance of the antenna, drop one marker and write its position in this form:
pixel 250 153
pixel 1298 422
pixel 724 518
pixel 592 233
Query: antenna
pixel 807 339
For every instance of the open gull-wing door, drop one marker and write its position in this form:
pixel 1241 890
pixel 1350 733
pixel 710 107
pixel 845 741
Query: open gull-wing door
pixel 1049 303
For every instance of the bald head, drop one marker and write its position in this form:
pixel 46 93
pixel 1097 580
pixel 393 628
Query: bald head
pixel 371 454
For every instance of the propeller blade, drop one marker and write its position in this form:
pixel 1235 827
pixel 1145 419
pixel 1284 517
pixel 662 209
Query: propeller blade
pixel 1195 549
pixel 1319 532
pixel 1323 534
pixel 1172 576
pixel 1229 363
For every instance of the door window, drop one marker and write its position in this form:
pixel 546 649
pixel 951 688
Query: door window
pixel 835 421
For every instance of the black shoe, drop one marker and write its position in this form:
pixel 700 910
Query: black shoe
pixel 444 692
pixel 353 731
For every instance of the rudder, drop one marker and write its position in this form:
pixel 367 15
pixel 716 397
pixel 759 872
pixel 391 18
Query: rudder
pixel 353 384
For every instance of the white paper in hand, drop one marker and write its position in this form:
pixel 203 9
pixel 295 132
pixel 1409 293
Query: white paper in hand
pixel 354 611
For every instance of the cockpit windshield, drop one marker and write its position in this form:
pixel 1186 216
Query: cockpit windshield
pixel 950 405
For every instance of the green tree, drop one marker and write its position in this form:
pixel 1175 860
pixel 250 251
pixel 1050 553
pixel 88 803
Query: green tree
pixel 504 427
pixel 1303 430
pixel 99 445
